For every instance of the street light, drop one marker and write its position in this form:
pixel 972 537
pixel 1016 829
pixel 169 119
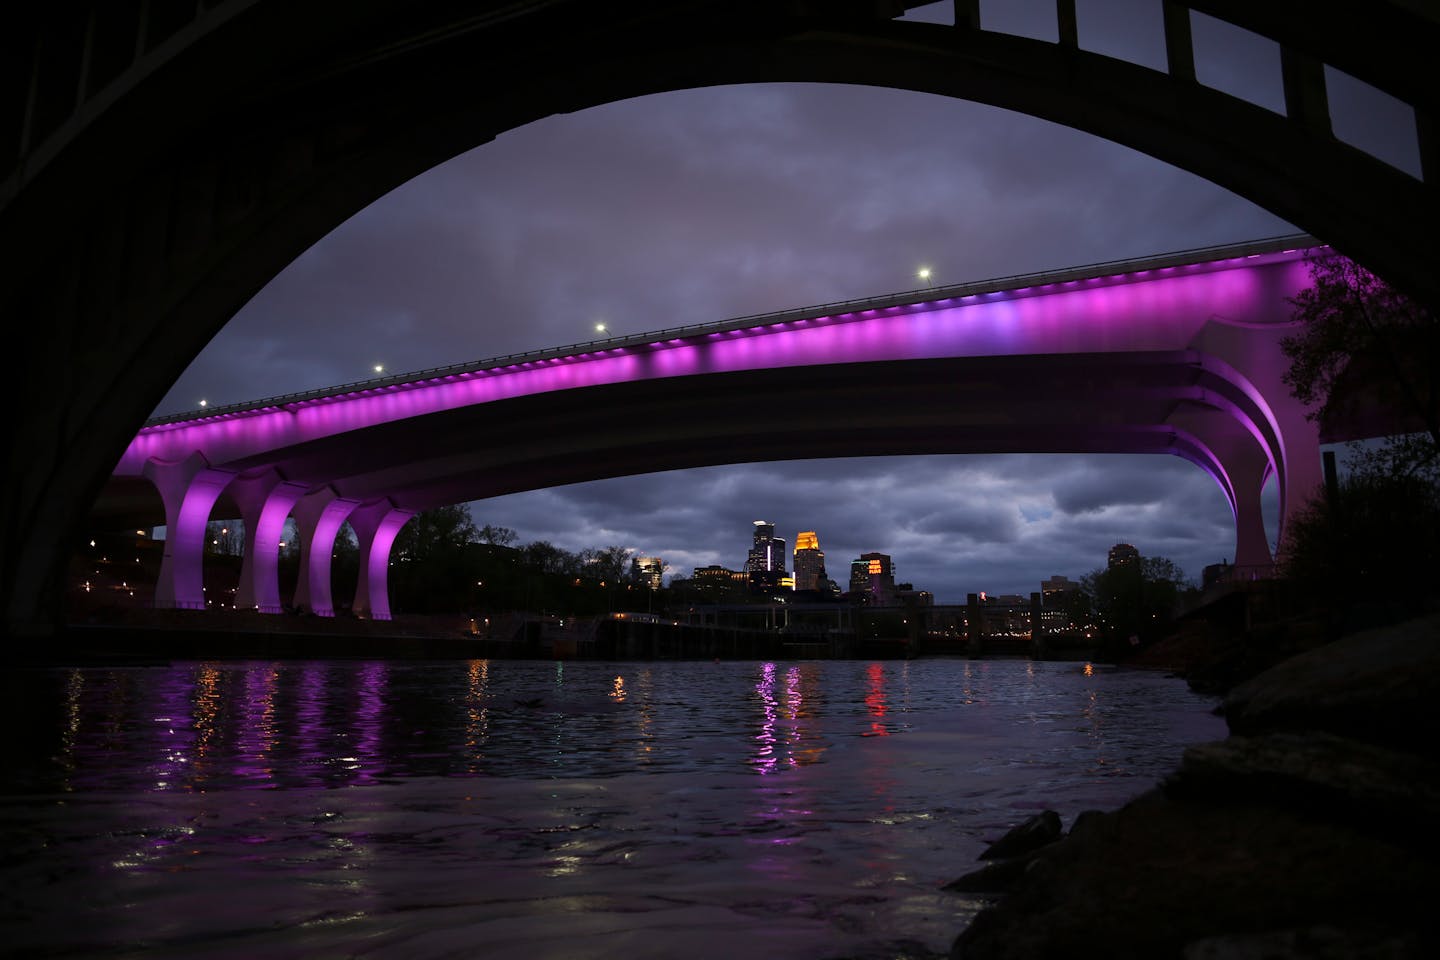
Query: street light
pixel 924 274
pixel 599 328
pixel 379 368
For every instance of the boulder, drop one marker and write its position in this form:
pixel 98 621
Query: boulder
pixel 1387 791
pixel 1166 872
pixel 1032 834
pixel 1379 686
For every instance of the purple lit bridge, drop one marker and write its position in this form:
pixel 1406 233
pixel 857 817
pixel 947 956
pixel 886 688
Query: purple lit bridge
pixel 1176 354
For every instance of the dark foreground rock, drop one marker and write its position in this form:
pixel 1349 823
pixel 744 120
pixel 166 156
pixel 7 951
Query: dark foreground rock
pixel 1040 830
pixel 1379 686
pixel 1310 833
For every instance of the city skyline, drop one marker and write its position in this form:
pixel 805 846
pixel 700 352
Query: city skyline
pixel 879 570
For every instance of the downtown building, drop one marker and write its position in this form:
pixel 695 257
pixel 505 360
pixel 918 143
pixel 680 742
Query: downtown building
pixel 765 564
pixel 648 571
pixel 809 562
pixel 1122 555
pixel 872 579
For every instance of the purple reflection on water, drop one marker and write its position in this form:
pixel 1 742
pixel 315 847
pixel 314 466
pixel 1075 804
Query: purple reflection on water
pixel 309 723
pixel 765 757
pixel 174 727
pixel 368 763
pixel 253 761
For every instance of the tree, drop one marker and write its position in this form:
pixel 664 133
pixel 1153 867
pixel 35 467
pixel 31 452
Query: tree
pixel 1361 339
pixel 1135 600
pixel 545 557
pixel 1371 553
pixel 497 536
pixel 432 571
pixel 225 538
pixel 431 533
pixel 1372 544
pixel 609 564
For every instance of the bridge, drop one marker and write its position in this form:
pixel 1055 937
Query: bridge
pixel 160 161
pixel 1175 354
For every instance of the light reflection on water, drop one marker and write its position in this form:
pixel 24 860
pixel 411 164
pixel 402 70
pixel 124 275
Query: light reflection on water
pixel 777 808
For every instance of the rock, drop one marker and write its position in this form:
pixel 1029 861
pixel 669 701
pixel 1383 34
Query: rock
pixel 1168 871
pixel 1379 686
pixel 1034 833
pixel 1384 790
pixel 993 878
pixel 1323 942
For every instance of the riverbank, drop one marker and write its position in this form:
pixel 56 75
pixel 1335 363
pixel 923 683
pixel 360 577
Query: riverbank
pixel 1308 833
pixel 143 635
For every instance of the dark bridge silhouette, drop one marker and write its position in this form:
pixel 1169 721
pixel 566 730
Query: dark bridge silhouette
pixel 160 161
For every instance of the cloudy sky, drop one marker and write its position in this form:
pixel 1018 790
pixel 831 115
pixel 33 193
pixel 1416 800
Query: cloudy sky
pixel 707 204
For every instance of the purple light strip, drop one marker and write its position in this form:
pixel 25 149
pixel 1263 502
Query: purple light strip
pixel 1118 312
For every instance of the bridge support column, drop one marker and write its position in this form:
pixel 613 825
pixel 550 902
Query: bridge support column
pixel 189 489
pixel 319 516
pixel 1246 467
pixel 1255 353
pixel 376 525
pixel 265 502
pixel 1252 547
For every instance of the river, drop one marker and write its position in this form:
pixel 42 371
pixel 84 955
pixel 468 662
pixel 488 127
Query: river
pixel 527 809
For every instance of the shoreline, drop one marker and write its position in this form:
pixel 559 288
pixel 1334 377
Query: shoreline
pixel 1306 833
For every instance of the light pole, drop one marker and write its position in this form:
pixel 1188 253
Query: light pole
pixel 924 274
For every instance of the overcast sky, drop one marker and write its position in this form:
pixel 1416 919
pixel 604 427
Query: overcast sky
pixel 701 205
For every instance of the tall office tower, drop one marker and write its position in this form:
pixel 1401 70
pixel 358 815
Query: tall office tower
pixel 859 577
pixel 1123 554
pixel 766 562
pixel 648 571
pixel 874 575
pixel 809 562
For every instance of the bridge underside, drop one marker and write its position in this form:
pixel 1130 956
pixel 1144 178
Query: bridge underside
pixel 1126 403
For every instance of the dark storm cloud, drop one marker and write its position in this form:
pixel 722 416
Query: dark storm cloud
pixel 714 203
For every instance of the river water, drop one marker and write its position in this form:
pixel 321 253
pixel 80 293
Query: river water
pixel 524 809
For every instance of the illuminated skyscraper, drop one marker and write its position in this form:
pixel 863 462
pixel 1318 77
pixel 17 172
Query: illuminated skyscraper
pixel 649 571
pixel 766 562
pixel 873 575
pixel 809 562
pixel 1123 554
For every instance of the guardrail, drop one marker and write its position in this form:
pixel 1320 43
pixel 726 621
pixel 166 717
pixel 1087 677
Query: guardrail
pixel 837 308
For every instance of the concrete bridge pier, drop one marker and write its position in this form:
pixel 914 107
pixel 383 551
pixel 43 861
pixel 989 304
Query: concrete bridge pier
pixel 1256 365
pixel 189 489
pixel 376 525
pixel 265 501
pixel 318 515
pixel 1241 466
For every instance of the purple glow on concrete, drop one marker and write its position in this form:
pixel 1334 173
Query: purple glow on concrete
pixel 1226 313
pixel 319 516
pixel 1118 313
pixel 265 502
pixel 189 489
pixel 376 525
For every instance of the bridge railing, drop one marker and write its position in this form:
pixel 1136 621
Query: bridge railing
pixel 839 309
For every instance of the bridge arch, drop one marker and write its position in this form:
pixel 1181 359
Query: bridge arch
pixel 129 238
